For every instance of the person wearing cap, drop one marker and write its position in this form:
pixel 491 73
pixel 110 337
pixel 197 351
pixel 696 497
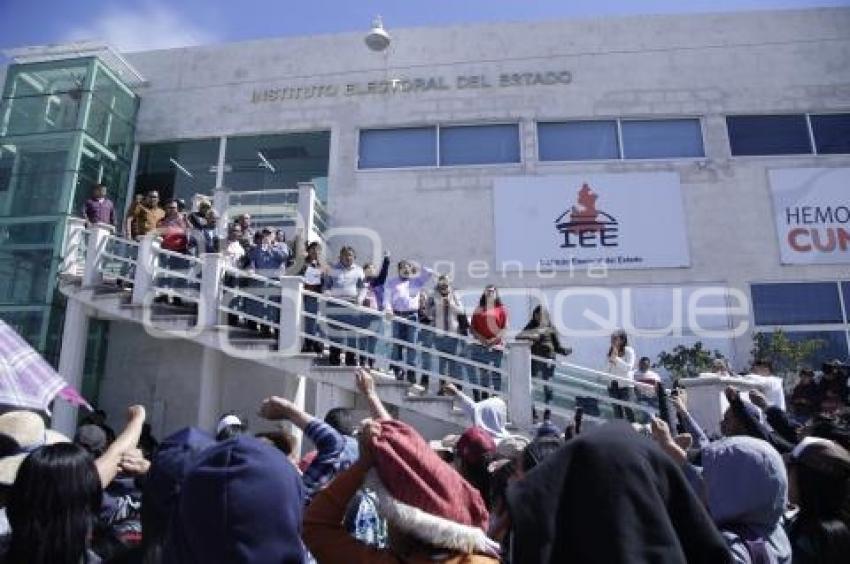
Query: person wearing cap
pixel 473 454
pixel 432 512
pixel 228 426
pixel 819 485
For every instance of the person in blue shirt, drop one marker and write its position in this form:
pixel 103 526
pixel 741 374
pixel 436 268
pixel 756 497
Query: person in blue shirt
pixel 266 259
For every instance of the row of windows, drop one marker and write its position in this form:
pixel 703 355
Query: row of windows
pixel 443 146
pixel 798 134
pixel 601 140
pixel 801 303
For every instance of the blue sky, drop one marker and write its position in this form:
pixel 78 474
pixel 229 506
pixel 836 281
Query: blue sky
pixel 133 25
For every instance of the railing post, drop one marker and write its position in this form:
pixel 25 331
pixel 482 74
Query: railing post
pixel 94 252
pixel 289 336
pixel 306 208
pixel 212 275
pixel 520 401
pixel 145 262
pixel 74 229
pixel 221 203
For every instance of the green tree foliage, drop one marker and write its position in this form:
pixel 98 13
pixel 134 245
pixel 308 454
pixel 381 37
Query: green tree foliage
pixel 688 362
pixel 787 356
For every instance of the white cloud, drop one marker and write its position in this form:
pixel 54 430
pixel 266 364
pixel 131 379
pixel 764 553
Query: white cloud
pixel 142 28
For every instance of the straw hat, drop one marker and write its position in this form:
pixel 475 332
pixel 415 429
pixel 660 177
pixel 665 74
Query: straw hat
pixel 27 430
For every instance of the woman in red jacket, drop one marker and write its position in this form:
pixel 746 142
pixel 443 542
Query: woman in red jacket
pixel 488 326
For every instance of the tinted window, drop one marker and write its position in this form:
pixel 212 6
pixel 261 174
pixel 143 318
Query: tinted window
pixel 833 345
pixel 668 138
pixel 479 144
pixel 796 304
pixel 832 133
pixel 393 148
pixel 577 141
pixel 768 135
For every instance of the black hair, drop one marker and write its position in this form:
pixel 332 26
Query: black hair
pixel 764 363
pixel 624 342
pixel 281 440
pixel 538 449
pixel 482 303
pixel 53 505
pixel 340 419
pixel 822 521
pixel 313 244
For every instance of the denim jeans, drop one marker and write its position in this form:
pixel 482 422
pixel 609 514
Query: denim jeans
pixel 374 323
pixel 482 376
pixel 342 334
pixel 426 340
pixel 545 372
pixel 407 333
pixel 311 326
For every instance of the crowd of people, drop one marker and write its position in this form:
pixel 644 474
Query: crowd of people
pixel 769 490
pixel 415 306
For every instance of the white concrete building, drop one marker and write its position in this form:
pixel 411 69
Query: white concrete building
pixel 703 137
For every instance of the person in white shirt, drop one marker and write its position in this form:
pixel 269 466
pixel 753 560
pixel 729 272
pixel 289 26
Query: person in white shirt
pixel 345 281
pixel 401 299
pixel 762 374
pixel 646 380
pixel 621 363
pixel 234 257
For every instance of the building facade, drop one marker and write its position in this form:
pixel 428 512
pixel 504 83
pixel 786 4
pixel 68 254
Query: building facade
pixel 627 171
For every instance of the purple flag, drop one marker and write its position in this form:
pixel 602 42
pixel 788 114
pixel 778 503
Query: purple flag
pixel 26 379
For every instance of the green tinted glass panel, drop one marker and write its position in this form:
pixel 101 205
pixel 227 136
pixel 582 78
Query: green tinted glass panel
pixel 34 155
pixel 25 276
pixel 116 98
pixel 273 162
pixel 27 233
pixel 40 114
pixel 110 129
pixel 39 193
pixel 28 324
pixel 38 79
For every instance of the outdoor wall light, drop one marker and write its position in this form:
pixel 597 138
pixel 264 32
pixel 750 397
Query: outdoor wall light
pixel 377 39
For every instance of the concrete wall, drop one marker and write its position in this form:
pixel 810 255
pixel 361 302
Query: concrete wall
pixel 707 66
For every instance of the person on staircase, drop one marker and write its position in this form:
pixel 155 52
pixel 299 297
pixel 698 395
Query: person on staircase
pixel 174 230
pixel 266 260
pixel 401 301
pixel 346 282
pixel 545 344
pixel 373 323
pixel 489 325
pixel 621 363
pixel 311 267
pixel 449 319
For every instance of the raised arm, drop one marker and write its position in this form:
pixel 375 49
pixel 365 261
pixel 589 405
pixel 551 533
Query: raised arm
pixel 329 443
pixel 109 463
pixel 381 279
pixel 366 384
